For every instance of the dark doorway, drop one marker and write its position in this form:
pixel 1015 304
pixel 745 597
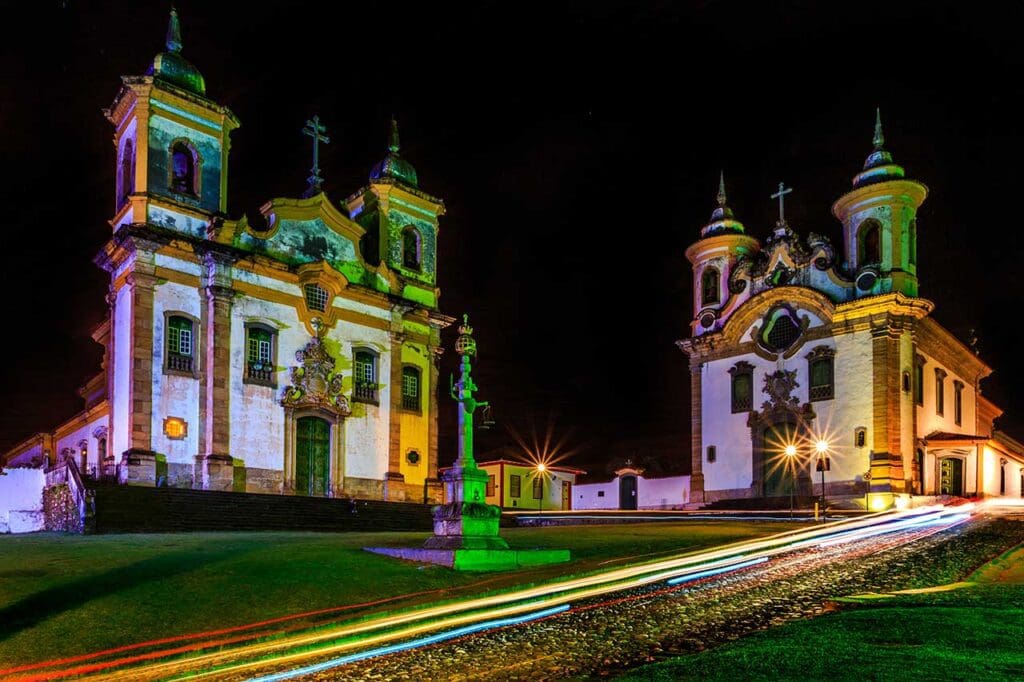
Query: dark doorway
pixel 627 492
pixel 919 465
pixel 951 476
pixel 312 445
pixel 779 472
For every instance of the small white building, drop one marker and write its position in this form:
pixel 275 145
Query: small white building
pixel 521 486
pixel 630 489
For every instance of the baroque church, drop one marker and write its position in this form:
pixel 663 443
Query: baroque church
pixel 814 367
pixel 297 354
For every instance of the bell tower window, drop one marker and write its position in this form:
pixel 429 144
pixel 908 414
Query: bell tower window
pixel 183 169
pixel 870 245
pixel 126 173
pixel 180 345
pixel 710 286
pixel 412 249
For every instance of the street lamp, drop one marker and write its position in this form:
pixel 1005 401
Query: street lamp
pixel 822 448
pixel 790 452
pixel 541 468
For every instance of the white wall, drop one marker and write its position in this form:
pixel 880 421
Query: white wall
pixel 927 420
pixel 121 426
pixel 652 493
pixel 84 433
pixel 21 500
pixel 174 395
pixel 589 495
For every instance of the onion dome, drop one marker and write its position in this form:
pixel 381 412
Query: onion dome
pixel 394 166
pixel 170 66
pixel 722 220
pixel 879 166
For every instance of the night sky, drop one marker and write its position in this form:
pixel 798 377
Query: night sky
pixel 577 148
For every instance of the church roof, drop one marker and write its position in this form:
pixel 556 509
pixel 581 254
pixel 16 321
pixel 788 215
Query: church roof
pixel 879 166
pixel 170 66
pixel 946 436
pixel 393 165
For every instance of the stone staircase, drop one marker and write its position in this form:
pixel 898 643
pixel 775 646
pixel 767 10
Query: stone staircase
pixel 130 509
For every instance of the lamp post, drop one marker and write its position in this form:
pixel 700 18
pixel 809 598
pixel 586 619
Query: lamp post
pixel 790 452
pixel 822 448
pixel 541 468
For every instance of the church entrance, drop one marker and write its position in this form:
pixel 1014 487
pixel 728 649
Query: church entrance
pixel 951 476
pixel 312 449
pixel 779 471
pixel 627 492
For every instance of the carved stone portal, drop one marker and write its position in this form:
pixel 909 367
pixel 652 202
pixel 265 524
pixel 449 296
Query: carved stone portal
pixel 315 384
pixel 781 411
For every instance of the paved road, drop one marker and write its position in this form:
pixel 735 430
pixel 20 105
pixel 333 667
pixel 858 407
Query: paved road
pixel 613 632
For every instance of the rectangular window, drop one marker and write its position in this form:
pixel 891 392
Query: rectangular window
pixel 940 391
pixel 958 402
pixel 259 356
pixel 742 387
pixel 411 388
pixel 711 453
pixel 364 371
pixel 179 344
pixel 822 387
pixel 600 493
pixel 490 486
pixel 538 487
pixel 514 485
pixel 316 297
pixel 919 382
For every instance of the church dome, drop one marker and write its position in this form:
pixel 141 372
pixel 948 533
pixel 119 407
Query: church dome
pixel 393 165
pixel 170 66
pixel 879 166
pixel 722 219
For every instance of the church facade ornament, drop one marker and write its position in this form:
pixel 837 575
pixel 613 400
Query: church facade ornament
pixel 315 385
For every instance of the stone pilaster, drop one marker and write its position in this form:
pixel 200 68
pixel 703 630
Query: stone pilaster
pixel 887 474
pixel 214 465
pixel 433 491
pixel 696 441
pixel 394 488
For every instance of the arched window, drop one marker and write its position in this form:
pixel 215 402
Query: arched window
pixel 181 347
pixel 412 249
pixel 411 388
pixel 912 243
pixel 710 285
pixel 101 450
pixel 1002 477
pixel 870 244
pixel 364 374
pixel 919 465
pixel 127 173
pixel 183 169
pixel 742 387
pixel 260 352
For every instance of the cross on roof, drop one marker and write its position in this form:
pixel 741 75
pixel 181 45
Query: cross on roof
pixel 316 130
pixel 780 195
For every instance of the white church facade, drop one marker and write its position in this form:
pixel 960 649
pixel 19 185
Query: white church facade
pixel 294 354
pixel 796 343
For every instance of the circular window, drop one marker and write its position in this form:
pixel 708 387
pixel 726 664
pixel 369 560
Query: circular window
pixel 707 320
pixel 866 280
pixel 412 457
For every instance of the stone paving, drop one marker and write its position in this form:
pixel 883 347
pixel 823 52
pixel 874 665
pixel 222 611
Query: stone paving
pixel 606 635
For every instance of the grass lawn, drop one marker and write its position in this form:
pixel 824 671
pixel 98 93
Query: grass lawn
pixel 975 633
pixel 67 595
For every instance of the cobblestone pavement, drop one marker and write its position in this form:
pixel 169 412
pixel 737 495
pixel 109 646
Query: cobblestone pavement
pixel 606 635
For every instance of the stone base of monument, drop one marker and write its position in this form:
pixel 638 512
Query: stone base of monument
pixel 477 559
pixel 466 533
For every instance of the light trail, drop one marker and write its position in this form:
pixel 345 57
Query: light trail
pixel 419 621
pixel 424 641
pixel 718 571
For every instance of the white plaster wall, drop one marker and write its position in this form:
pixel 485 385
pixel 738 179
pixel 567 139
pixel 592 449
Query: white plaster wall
pixel 175 396
pixel 21 500
pixel 367 429
pixel 73 439
pixel 588 495
pixel 32 456
pixel 836 419
pixel 663 493
pixel 257 418
pixel 927 420
pixel 188 267
pixel 121 392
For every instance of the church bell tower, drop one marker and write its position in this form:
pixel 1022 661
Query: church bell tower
pixel 879 217
pixel 172 145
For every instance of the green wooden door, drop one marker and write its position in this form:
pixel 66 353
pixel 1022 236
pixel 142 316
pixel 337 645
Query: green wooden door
pixel 951 476
pixel 312 447
pixel 777 472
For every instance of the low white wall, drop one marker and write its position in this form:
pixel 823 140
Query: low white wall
pixel 21 500
pixel 596 495
pixel 652 493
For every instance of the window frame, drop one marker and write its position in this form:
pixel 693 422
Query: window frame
pixel 860 437
pixel 193 371
pixel 711 454
pixel 538 487
pixel 406 402
pixel 126 172
pixel 918 380
pixel 704 286
pixel 491 486
pixel 197 168
pixel 940 391
pixel 251 376
pixel 515 485
pixel 418 237
pixel 958 402
pixel 361 393
pixel 317 287
pixel 741 368
pixel 865 226
pixel 827 356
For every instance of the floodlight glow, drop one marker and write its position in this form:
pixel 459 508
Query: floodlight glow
pixel 542 467
pixel 790 450
pixel 821 446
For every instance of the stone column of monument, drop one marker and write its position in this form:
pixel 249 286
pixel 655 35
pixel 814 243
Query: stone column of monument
pixel 466 521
